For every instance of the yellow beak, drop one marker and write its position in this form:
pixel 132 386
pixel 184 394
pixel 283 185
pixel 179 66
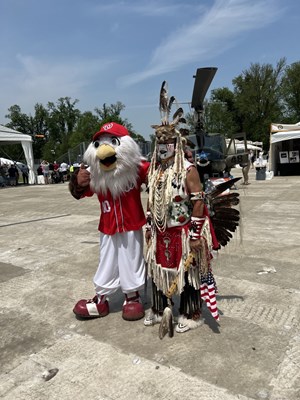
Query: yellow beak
pixel 107 157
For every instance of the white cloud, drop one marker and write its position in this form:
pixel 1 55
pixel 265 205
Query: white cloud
pixel 209 35
pixel 146 8
pixel 33 80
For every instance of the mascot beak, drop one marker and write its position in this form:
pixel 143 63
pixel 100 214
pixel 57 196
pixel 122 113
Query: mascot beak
pixel 107 157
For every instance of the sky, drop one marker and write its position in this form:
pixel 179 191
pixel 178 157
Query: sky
pixel 100 51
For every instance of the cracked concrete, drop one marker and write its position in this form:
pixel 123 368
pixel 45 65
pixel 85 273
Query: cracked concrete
pixel 49 254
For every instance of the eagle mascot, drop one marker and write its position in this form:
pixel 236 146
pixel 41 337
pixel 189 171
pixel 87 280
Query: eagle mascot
pixel 115 174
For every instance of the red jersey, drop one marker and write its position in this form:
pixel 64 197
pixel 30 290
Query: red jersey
pixel 124 213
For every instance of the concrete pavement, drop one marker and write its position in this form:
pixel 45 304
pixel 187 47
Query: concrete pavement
pixel 48 256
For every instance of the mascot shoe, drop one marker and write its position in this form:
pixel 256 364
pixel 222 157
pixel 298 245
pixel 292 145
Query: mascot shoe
pixel 133 308
pixel 91 308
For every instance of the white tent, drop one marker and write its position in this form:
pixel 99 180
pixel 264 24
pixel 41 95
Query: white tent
pixel 9 136
pixel 280 133
pixel 249 147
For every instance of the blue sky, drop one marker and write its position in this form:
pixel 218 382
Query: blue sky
pixel 100 51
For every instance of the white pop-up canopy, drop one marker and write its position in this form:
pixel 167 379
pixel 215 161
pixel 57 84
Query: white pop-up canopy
pixel 280 133
pixel 10 136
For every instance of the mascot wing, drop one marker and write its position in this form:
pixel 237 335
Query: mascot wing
pixel 224 217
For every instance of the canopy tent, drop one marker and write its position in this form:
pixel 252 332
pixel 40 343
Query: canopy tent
pixel 249 147
pixel 279 134
pixel 10 136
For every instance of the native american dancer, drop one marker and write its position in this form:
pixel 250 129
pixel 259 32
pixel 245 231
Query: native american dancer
pixel 179 231
pixel 115 174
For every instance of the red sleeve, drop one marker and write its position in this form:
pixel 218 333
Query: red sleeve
pixel 87 193
pixel 144 170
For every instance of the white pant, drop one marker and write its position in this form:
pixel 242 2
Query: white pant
pixel 121 263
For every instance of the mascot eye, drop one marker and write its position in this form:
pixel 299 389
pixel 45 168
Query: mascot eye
pixel 115 141
pixel 96 144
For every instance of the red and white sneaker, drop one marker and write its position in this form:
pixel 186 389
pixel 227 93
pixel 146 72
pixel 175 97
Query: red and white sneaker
pixel 92 308
pixel 133 308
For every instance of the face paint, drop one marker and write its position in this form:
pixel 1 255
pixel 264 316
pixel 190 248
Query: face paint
pixel 166 150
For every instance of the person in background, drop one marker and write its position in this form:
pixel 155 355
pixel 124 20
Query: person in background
pixel 25 172
pixel 46 171
pixel 252 159
pixel 64 171
pixel 55 166
pixel 245 170
pixel 13 175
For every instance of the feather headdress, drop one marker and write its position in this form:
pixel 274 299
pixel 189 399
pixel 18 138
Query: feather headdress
pixel 168 130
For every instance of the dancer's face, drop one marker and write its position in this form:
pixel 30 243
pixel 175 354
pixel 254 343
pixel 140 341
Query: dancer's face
pixel 166 150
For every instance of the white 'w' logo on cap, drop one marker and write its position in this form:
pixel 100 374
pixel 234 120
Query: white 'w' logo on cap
pixel 108 126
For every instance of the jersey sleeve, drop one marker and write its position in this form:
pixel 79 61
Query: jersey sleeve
pixel 144 167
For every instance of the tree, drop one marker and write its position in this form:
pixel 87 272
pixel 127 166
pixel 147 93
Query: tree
pixel 290 90
pixel 231 120
pixel 87 125
pixel 258 102
pixel 30 125
pixel 112 114
pixel 219 113
pixel 63 117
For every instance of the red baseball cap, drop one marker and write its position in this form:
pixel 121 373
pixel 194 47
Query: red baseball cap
pixel 111 128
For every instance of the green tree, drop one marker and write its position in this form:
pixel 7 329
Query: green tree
pixel 30 125
pixel 87 125
pixel 229 115
pixel 112 114
pixel 219 113
pixel 63 117
pixel 258 101
pixel 290 90
pixel 60 126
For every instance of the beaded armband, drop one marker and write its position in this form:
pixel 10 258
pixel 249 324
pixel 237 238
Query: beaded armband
pixel 148 225
pixel 195 227
pixel 197 196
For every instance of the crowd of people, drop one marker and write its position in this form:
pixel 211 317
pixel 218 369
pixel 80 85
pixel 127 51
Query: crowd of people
pixel 15 173
pixel 48 172
pixel 10 174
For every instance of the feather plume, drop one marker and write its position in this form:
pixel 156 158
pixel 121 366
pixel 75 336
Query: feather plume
pixel 170 103
pixel 223 236
pixel 177 115
pixel 163 102
pixel 166 324
pixel 218 189
pixel 225 219
pixel 227 200
pixel 226 224
pixel 228 216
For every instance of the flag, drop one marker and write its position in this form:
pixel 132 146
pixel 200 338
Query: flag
pixel 208 292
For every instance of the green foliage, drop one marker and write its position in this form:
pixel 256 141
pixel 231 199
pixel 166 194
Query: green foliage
pixel 258 101
pixel 290 90
pixel 87 125
pixel 61 126
pixel 262 94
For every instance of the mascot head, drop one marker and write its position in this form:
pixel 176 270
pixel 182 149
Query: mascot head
pixel 114 159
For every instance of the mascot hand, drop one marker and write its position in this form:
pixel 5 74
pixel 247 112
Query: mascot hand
pixel 83 177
